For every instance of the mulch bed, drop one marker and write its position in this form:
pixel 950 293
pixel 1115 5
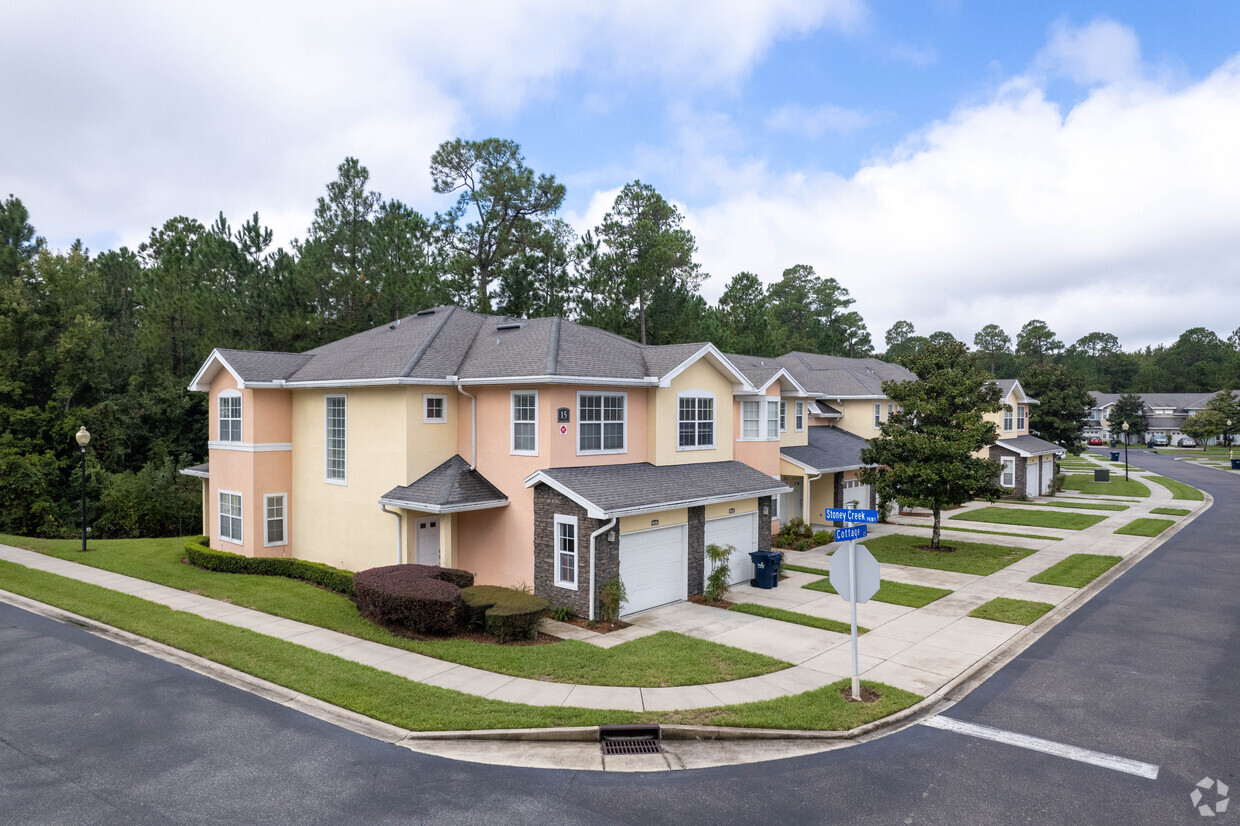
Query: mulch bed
pixel 597 627
pixel 698 599
pixel 868 695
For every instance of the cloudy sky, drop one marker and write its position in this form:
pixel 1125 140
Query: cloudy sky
pixel 952 163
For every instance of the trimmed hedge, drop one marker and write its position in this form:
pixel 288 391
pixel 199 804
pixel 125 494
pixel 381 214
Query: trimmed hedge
pixel 425 598
pixel 333 579
pixel 505 613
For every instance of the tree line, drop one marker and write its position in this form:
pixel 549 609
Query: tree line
pixel 111 340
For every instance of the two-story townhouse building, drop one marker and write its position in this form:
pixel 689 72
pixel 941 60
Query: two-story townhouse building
pixel 1165 414
pixel 537 451
pixel 1026 462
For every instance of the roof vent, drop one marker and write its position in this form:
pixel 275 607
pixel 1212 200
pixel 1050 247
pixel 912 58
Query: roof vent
pixel 510 325
pixel 431 311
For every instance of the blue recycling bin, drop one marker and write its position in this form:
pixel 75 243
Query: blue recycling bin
pixel 765 568
pixel 1114 443
pixel 1235 464
pixel 1114 455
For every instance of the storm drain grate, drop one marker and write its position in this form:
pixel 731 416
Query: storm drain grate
pixel 630 740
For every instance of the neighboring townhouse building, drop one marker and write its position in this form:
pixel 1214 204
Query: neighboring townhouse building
pixel 1164 414
pixel 1026 463
pixel 538 451
pixel 846 407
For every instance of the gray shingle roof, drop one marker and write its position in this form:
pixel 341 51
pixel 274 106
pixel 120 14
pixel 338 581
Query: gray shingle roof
pixel 1029 445
pixel 202 471
pixel 830 449
pixel 837 376
pixel 1179 402
pixel 258 365
pixel 450 487
pixel 610 490
pixel 757 369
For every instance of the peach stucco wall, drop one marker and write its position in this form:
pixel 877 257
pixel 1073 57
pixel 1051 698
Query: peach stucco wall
pixel 761 454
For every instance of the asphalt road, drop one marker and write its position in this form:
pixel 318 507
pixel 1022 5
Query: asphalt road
pixel 93 732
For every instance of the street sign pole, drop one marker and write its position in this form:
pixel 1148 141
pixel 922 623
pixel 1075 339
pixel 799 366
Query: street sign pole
pixel 852 602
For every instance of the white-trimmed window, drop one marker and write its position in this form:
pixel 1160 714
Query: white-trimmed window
pixel 1007 474
pixel 878 415
pixel 525 422
pixel 1007 418
pixel 275 519
pixel 230 516
pixel 1020 417
pixel 783 416
pixel 891 408
pixel 335 439
pixel 751 420
pixel 772 420
pixel 230 416
pixel 775 505
pixel 695 421
pixel 601 422
pixel 566 551
pixel 798 420
pixel 434 408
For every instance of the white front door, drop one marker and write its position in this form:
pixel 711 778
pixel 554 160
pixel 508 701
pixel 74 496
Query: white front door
pixel 796 499
pixel 1031 478
pixel 653 565
pixel 427 541
pixel 741 532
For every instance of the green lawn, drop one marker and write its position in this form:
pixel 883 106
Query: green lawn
pixel 1115 487
pixel 1146 527
pixel 1179 490
pixel 966 558
pixel 1031 518
pixel 990 533
pixel 1171 511
pixel 1076 571
pixel 661 659
pixel 819 571
pixel 795 617
pixel 896 593
pixel 402 702
pixel 1086 506
pixel 1015 611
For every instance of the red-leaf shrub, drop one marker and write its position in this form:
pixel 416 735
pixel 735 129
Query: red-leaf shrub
pixel 424 598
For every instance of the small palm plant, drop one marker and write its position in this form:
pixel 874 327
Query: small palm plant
pixel 720 572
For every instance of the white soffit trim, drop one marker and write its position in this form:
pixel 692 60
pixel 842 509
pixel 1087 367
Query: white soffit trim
pixel 716 358
pixel 597 512
pixel 201 382
pixel 251 447
pixel 195 473
pixel 426 507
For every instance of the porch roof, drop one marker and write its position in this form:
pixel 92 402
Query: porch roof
pixel 449 488
pixel 1029 446
pixel 830 449
pixel 202 471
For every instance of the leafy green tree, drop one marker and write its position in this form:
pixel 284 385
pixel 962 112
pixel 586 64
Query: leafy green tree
pixel 644 247
pixel 745 325
pixel 539 282
pixel 1063 404
pixel 902 340
pixel 1204 425
pixel 926 451
pixel 940 337
pixel 18 244
pixel 1130 409
pixel 841 331
pixel 793 309
pixel 175 303
pixel 499 212
pixel 1198 362
pixel 991 341
pixel 404 264
pixel 1225 405
pixel 1037 341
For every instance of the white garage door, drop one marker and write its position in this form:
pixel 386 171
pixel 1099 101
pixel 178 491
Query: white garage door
pixel 854 491
pixel 652 565
pixel 1031 479
pixel 741 532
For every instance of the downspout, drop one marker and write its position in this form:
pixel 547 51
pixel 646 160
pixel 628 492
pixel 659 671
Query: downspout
pixel 594 536
pixel 807 505
pixel 400 524
pixel 473 428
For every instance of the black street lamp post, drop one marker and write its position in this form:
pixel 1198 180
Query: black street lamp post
pixel 1124 427
pixel 83 439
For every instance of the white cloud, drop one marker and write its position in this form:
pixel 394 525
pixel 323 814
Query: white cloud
pixel 1101 52
pixel 1121 214
pixel 135 112
pixel 814 121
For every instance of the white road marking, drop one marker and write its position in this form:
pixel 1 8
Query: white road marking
pixel 1024 741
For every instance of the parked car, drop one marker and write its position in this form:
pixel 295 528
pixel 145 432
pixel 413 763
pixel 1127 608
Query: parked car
pixel 1159 440
pixel 1096 440
pixel 1186 441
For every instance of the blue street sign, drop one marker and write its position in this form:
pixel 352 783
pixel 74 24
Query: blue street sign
pixel 851 515
pixel 845 534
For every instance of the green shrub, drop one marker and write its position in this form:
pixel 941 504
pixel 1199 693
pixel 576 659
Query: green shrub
pixel 803 545
pixel 561 613
pixel 424 598
pixel 333 579
pixel 505 613
pixel 1057 482
pixel 611 598
pixel 720 572
pixel 823 538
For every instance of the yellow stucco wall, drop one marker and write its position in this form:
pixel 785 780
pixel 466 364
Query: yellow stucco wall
pixel 664 417
pixel 642 522
pixel 790 437
pixel 741 506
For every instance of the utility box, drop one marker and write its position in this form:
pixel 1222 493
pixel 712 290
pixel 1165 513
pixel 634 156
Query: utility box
pixel 1102 475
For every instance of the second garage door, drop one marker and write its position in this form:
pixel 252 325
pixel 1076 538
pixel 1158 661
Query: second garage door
pixel 652 565
pixel 741 532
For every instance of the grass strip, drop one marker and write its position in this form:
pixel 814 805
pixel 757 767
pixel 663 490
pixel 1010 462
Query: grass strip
pixel 1145 527
pixel 795 617
pixel 965 557
pixel 1115 487
pixel 896 593
pixel 1179 490
pixel 402 702
pixel 802 569
pixel 1032 518
pixel 1015 611
pixel 1076 571
pixel 1089 506
pixel 1171 511
pixel 991 533
pixel 663 659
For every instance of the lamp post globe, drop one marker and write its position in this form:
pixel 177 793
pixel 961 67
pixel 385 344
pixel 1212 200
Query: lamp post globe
pixel 1124 428
pixel 82 437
